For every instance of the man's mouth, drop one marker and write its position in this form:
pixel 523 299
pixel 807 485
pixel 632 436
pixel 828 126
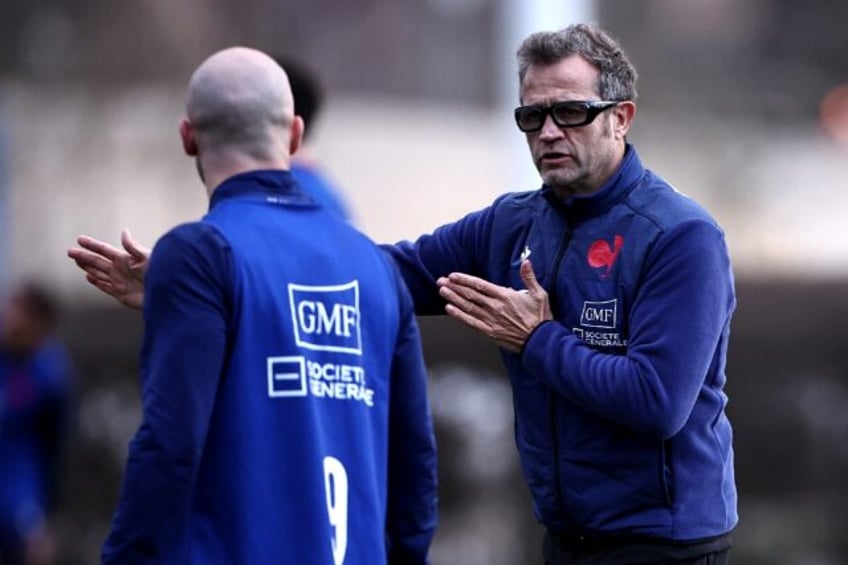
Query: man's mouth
pixel 554 157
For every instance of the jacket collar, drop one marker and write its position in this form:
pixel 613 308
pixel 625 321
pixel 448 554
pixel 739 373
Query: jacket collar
pixel 620 183
pixel 271 185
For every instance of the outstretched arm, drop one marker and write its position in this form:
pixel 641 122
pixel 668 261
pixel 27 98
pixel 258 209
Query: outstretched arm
pixel 117 272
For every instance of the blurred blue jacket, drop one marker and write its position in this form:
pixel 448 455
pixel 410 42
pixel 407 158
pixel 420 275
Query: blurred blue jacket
pixel 34 400
pixel 619 404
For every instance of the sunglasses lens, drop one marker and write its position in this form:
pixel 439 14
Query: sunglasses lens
pixel 529 118
pixel 570 114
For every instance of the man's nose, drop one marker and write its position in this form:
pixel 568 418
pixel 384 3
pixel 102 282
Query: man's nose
pixel 550 130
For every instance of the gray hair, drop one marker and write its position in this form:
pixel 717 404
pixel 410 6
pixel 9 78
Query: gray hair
pixel 617 75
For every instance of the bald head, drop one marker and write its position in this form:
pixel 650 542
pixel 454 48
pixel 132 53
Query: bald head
pixel 240 106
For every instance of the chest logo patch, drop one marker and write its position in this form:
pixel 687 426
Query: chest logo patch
pixel 602 256
pixel 599 314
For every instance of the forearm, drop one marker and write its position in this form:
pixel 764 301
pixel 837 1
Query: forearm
pixel 643 393
pixel 677 320
pixel 451 248
pixel 419 278
pixel 412 506
pixel 153 504
pixel 412 479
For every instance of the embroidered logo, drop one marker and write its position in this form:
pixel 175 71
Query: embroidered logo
pixel 601 255
pixel 600 314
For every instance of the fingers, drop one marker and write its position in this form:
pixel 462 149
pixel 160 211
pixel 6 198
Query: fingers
pixel 133 247
pixel 475 284
pixel 99 247
pixel 471 313
pixel 460 297
pixel 529 277
pixel 467 319
pixel 102 285
pixel 97 274
pixel 88 260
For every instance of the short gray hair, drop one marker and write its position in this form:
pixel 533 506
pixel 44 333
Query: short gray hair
pixel 617 74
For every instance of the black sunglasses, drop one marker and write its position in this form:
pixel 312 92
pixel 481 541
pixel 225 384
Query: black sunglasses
pixel 571 114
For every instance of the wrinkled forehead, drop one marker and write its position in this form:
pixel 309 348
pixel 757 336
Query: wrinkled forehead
pixel 570 78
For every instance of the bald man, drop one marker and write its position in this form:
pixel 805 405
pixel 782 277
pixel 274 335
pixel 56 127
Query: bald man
pixel 285 415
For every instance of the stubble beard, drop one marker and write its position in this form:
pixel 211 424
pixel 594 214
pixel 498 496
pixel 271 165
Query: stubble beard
pixel 564 182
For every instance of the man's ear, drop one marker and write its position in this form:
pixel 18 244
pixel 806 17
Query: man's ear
pixel 187 137
pixel 296 138
pixel 623 115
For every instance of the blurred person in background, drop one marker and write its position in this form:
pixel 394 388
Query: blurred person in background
pixel 305 166
pixel 285 417
pixel 35 387
pixel 610 295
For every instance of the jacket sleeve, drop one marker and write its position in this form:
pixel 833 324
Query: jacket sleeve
pixel 185 340
pixel 412 494
pixel 456 247
pixel 677 319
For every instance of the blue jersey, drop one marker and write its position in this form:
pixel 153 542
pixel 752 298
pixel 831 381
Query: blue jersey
pixel 619 401
pixel 283 388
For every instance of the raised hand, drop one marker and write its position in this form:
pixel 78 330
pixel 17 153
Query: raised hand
pixel 505 315
pixel 117 272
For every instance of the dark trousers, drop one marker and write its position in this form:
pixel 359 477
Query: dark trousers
pixel 629 554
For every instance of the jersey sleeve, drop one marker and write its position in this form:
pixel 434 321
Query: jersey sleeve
pixel 456 247
pixel 186 315
pixel 412 494
pixel 676 323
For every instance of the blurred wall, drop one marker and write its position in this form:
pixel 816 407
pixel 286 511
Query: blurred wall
pixel 729 113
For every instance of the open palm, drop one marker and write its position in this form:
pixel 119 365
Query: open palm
pixel 117 272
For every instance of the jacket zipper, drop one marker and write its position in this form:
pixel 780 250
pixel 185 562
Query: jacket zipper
pixel 552 407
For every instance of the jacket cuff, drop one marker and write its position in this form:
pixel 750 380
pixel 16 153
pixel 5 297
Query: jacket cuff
pixel 527 348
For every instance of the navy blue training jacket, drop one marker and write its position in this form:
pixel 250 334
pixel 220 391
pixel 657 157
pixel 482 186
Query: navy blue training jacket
pixel 283 388
pixel 619 405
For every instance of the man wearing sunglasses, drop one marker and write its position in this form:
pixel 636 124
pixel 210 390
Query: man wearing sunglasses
pixel 609 295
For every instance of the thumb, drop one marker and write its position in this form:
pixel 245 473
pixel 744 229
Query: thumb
pixel 529 277
pixel 133 247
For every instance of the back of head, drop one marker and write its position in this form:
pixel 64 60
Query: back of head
pixel 239 100
pixel 617 74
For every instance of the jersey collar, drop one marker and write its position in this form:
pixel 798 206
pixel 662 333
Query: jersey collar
pixel 272 185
